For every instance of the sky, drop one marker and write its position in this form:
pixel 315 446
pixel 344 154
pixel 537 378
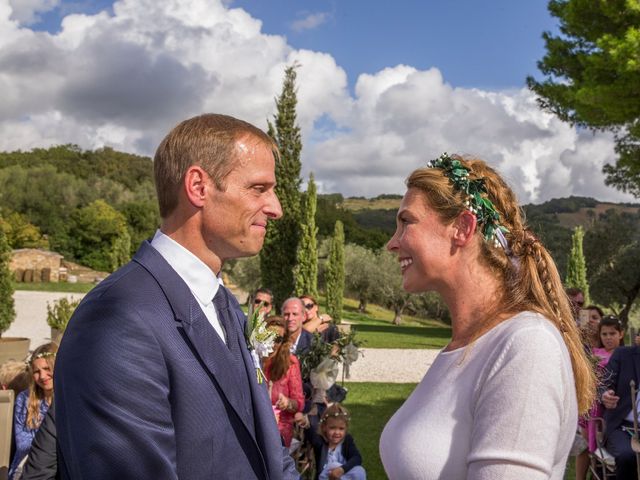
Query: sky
pixel 383 87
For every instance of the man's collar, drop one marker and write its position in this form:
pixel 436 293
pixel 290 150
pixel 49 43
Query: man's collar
pixel 202 282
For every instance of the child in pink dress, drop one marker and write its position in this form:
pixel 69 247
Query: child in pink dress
pixel 611 335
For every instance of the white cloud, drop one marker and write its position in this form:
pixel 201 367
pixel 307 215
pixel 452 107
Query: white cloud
pixel 124 80
pixel 311 21
pixel 28 12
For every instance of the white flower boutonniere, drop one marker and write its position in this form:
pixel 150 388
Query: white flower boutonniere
pixel 259 340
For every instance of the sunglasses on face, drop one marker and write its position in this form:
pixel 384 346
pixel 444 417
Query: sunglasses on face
pixel 278 339
pixel 309 306
pixel 257 301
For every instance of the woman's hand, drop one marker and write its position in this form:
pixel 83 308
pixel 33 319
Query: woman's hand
pixel 283 402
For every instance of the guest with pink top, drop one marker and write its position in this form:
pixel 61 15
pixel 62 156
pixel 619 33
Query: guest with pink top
pixel 611 335
pixel 282 370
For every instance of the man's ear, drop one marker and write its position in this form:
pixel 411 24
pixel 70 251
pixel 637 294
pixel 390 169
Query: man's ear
pixel 464 228
pixel 196 181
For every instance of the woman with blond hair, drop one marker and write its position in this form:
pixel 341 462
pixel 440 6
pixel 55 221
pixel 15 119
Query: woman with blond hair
pixel 32 404
pixel 502 399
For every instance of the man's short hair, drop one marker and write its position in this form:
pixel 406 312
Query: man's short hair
pixel 207 141
pixel 264 290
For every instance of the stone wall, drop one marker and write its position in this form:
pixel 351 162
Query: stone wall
pixel 35 265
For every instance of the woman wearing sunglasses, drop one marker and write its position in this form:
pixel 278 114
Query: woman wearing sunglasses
pixel 316 323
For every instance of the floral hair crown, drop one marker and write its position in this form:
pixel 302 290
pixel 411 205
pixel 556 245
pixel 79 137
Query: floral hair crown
pixel 477 201
pixel 327 416
pixel 40 355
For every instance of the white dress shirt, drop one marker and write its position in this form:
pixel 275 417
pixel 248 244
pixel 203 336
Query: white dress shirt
pixel 202 282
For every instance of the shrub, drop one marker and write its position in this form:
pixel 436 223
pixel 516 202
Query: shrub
pixel 59 314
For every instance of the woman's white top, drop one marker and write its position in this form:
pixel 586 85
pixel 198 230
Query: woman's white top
pixel 503 407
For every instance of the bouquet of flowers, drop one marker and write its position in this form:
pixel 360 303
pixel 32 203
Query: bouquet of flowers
pixel 320 363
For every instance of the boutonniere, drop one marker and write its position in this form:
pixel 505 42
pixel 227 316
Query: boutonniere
pixel 259 340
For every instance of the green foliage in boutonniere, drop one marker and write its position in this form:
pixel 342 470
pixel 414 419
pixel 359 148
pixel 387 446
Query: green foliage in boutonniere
pixel 258 336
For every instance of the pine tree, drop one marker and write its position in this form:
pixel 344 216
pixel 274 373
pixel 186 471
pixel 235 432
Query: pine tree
pixel 278 256
pixel 592 77
pixel 7 310
pixel 306 271
pixel 576 266
pixel 335 273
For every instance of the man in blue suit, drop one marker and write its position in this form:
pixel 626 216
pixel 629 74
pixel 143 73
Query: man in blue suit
pixel 154 378
pixel 623 367
pixel 293 314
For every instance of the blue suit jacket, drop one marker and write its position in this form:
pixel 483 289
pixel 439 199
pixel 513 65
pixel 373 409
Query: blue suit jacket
pixel 623 366
pixel 304 343
pixel 143 388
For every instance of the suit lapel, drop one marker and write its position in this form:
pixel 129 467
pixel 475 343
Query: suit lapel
pixel 267 434
pixel 213 352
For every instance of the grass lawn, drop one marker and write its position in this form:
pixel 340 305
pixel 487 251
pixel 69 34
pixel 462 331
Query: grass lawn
pixel 371 406
pixel 54 287
pixel 377 330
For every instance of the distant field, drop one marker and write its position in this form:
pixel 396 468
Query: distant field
pixel 584 217
pixel 355 204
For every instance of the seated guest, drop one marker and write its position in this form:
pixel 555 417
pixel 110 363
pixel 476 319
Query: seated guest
pixel 335 450
pixel 263 299
pixel 316 323
pixel 31 405
pixel 285 381
pixel 618 415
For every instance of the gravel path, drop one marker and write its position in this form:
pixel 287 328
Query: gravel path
pixel 31 315
pixel 391 365
pixel 376 365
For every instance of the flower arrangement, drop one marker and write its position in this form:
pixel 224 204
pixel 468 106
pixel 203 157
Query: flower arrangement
pixel 477 201
pixel 260 340
pixel 320 362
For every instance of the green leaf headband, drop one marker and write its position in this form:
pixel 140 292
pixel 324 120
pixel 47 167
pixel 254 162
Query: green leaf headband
pixel 477 201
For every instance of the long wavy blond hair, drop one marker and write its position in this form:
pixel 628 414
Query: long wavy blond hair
pixel 36 394
pixel 529 277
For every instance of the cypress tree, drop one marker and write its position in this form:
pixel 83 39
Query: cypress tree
pixel 7 310
pixel 335 273
pixel 306 271
pixel 278 256
pixel 576 266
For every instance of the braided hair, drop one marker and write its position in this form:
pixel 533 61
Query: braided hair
pixel 527 272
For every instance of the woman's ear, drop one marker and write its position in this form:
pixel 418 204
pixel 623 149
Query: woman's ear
pixel 195 184
pixel 464 228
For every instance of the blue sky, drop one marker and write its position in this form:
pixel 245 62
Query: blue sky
pixel 493 44
pixel 383 87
